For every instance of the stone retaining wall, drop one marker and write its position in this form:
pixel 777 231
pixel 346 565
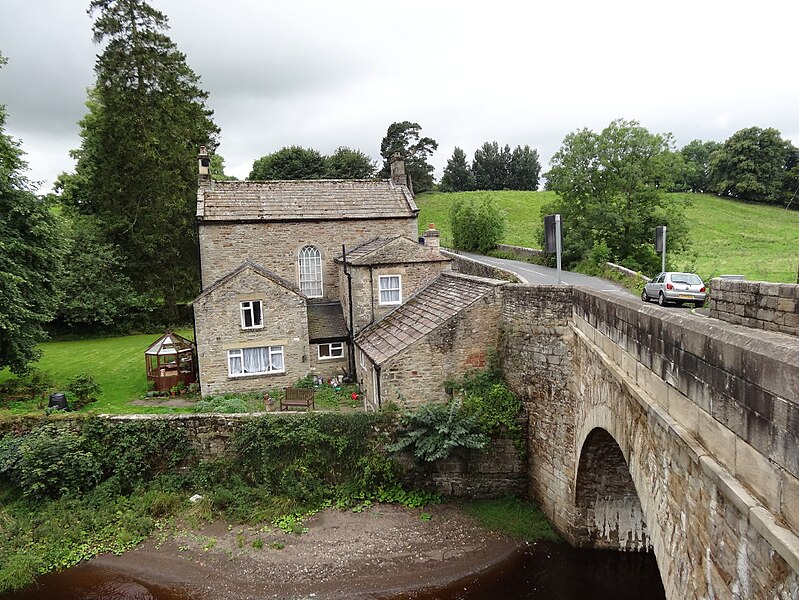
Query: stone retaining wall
pixel 495 472
pixel 758 304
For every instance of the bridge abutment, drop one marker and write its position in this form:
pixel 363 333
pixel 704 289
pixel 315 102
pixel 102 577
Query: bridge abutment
pixel 700 415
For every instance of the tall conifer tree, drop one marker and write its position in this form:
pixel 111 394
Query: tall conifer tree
pixel 136 170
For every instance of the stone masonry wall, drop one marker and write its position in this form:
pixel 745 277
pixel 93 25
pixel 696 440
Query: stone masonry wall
pixel 218 327
pixel 710 536
pixel 276 245
pixel 497 471
pixel 521 251
pixel 737 390
pixel 467 266
pixel 536 355
pixel 459 345
pixel 757 304
pixel 366 291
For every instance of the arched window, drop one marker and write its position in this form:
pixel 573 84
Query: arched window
pixel 310 265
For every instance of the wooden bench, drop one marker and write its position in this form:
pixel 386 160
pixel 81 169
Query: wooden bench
pixel 297 398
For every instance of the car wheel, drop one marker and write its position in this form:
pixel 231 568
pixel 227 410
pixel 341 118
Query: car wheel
pixel 644 297
pixel 662 299
pixel 699 304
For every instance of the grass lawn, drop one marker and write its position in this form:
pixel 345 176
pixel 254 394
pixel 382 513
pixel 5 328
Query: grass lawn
pixel 728 237
pixel 522 208
pixel 116 363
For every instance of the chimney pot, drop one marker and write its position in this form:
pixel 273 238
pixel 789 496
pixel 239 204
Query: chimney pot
pixel 432 237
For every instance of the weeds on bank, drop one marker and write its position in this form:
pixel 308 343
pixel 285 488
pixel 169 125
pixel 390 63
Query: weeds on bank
pixel 72 489
pixel 513 517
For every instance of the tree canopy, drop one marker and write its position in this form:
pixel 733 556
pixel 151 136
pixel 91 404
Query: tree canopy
pixel 291 162
pixel 494 167
pixel 754 164
pixel 405 137
pixel 458 177
pixel 611 186
pixel 491 166
pixel 135 171
pixel 296 162
pixel 346 163
pixel 695 176
pixel 30 257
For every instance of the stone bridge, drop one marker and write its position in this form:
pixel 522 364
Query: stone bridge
pixel 661 430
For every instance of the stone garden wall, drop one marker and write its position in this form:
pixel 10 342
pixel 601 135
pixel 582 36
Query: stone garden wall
pixel 757 304
pixel 497 471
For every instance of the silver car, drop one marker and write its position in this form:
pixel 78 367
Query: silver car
pixel 675 287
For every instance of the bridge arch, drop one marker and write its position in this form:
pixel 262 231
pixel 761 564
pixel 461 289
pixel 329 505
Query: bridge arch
pixel 606 499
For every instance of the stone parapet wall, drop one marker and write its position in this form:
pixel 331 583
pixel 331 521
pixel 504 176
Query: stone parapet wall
pixel 520 251
pixel 747 382
pixel 757 304
pixel 468 266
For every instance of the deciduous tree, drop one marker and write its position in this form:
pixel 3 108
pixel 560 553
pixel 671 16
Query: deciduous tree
pixel 405 137
pixel 346 163
pixel 458 176
pixel 477 227
pixel 291 162
pixel 696 166
pixel 30 258
pixel 752 165
pixel 612 193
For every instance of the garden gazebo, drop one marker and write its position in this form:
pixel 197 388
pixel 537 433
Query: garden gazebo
pixel 170 361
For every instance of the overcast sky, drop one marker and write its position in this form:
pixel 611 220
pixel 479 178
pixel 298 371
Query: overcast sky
pixel 337 73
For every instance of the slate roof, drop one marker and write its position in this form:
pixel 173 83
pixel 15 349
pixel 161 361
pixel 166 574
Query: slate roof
pixel 448 294
pixel 326 322
pixel 391 250
pixel 248 264
pixel 304 200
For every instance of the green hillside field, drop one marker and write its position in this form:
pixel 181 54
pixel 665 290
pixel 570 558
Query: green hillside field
pixel 727 237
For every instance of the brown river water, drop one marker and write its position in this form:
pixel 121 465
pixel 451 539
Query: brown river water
pixel 539 572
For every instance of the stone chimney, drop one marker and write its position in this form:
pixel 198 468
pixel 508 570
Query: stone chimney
pixel 205 165
pixel 398 175
pixel 432 236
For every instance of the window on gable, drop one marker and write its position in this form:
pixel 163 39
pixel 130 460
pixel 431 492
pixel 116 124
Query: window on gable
pixel 310 267
pixel 255 361
pixel 251 314
pixel 331 351
pixel 390 289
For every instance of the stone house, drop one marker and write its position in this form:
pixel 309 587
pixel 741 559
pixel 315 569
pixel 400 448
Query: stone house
pixel 441 333
pixel 275 299
pixel 385 271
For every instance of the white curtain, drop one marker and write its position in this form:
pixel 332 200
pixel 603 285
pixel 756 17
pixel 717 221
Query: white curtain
pixel 256 360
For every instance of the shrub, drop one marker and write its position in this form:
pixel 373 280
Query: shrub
pixel 477 228
pixel 51 463
pixel 85 388
pixel 221 404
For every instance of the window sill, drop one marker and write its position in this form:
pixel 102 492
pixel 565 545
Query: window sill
pixel 332 357
pixel 264 374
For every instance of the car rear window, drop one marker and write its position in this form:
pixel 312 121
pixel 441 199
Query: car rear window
pixel 688 278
